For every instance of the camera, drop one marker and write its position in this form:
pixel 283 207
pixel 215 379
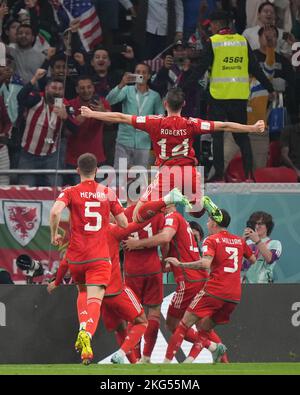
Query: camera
pixel 136 78
pixel 30 267
pixel 251 225
pixel 58 102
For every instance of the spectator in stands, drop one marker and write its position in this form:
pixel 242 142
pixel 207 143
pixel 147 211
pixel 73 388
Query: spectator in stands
pixel 158 24
pixel 44 122
pixel 3 12
pixel 278 69
pixel 175 70
pixel 267 251
pixel 290 147
pixel 27 59
pixel 10 86
pixel 9 31
pixel 60 70
pixel 5 127
pixel 105 78
pixel 136 99
pixel 229 92
pixel 41 18
pixel 108 12
pixel 267 16
pixel 89 137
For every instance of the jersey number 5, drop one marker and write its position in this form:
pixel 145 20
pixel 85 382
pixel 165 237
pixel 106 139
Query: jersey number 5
pixel 92 214
pixel 233 254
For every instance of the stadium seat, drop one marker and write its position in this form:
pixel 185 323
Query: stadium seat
pixel 274 156
pixel 275 174
pixel 235 171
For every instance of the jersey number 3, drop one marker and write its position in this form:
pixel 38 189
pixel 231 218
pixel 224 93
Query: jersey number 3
pixel 92 214
pixel 233 255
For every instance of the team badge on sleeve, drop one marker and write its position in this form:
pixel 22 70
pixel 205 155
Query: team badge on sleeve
pixel 205 125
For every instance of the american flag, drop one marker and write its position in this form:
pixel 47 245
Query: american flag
pixel 90 30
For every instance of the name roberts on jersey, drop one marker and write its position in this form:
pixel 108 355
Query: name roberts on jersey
pixel 166 132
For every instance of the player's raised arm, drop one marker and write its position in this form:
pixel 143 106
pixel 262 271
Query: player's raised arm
pixel 116 117
pixel 234 127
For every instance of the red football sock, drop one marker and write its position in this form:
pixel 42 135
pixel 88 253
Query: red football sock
pixel 93 309
pixel 82 307
pixel 203 337
pixel 196 349
pixel 151 335
pixel 191 335
pixel 149 209
pixel 133 337
pixel 137 348
pixel 214 337
pixel 120 337
pixel 176 340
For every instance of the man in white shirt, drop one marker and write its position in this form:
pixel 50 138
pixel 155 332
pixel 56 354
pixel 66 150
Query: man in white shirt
pixel 162 20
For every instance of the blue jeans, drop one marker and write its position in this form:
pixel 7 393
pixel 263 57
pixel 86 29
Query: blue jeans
pixel 30 161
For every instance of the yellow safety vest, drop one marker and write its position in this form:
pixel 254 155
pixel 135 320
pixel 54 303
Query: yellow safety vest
pixel 229 78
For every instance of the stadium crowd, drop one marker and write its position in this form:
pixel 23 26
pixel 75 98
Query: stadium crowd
pixel 59 55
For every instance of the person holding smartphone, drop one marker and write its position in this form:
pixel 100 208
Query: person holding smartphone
pixel 89 137
pixel 137 98
pixel 267 251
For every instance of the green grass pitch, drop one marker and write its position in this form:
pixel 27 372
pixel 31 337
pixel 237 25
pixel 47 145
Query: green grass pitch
pixel 155 369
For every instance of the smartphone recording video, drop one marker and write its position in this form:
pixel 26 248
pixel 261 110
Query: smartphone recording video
pixel 58 102
pixel 136 78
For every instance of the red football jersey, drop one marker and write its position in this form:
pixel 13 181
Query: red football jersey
pixel 90 204
pixel 145 261
pixel 173 137
pixel 184 247
pixel 115 235
pixel 227 251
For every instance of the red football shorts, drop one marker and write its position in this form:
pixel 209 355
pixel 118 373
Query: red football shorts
pixel 182 298
pixel 185 178
pixel 218 310
pixel 149 289
pixel 122 307
pixel 92 273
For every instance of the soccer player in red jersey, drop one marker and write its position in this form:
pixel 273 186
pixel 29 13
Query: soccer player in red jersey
pixel 172 138
pixel 88 253
pixel 223 254
pixel 120 303
pixel 143 274
pixel 182 244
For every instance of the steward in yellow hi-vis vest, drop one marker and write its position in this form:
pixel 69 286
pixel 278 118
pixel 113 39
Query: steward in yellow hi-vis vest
pixel 230 61
pixel 229 78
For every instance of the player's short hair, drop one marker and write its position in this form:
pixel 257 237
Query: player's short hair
pixel 194 225
pixel 263 217
pixel 175 98
pixel 87 164
pixel 226 219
